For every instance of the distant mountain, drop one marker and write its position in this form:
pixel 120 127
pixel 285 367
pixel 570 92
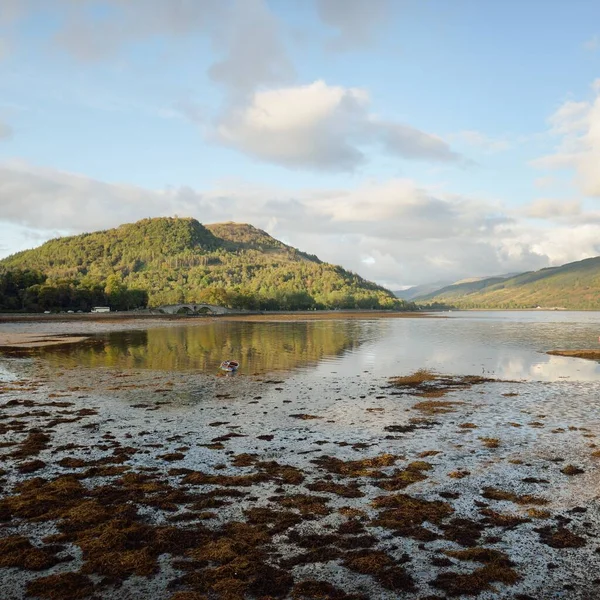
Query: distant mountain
pixel 174 260
pixel 427 289
pixel 421 290
pixel 463 288
pixel 572 286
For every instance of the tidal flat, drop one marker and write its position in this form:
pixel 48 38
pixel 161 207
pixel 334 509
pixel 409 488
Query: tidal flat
pixel 121 481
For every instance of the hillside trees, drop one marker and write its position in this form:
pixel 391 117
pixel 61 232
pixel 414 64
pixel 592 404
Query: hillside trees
pixel 170 261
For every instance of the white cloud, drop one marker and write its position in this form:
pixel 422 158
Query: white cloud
pixel 321 127
pixel 394 231
pixel 356 21
pixel 577 124
pixel 552 208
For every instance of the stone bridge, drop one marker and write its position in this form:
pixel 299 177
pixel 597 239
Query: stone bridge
pixel 191 308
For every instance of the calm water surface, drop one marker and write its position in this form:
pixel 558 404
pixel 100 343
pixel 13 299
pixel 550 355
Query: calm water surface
pixel 509 345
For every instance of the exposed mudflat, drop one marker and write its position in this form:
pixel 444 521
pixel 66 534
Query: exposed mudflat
pixel 140 484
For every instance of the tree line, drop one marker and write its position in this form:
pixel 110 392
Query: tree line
pixel 30 291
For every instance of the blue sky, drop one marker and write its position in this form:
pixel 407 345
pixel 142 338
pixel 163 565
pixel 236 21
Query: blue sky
pixel 407 140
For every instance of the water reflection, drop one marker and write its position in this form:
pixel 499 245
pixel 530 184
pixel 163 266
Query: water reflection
pixel 259 347
pixel 490 344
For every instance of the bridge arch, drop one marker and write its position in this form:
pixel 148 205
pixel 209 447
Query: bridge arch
pixel 191 308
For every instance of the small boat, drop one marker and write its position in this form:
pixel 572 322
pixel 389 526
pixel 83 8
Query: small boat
pixel 229 365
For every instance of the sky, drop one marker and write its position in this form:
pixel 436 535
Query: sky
pixel 410 141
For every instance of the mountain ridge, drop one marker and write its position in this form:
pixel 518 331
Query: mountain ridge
pixel 176 260
pixel 574 285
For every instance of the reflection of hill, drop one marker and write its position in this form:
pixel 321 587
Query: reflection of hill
pixel 260 347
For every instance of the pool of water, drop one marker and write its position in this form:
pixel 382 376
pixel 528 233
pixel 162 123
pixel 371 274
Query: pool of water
pixel 508 345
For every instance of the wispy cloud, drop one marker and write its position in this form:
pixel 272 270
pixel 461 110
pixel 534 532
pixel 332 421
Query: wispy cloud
pixel 356 22
pixel 577 127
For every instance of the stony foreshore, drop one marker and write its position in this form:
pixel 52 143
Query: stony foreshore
pixel 174 486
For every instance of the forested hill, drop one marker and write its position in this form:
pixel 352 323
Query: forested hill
pixel 572 286
pixel 173 260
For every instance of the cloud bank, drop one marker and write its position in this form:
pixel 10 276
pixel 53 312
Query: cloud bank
pixel 394 232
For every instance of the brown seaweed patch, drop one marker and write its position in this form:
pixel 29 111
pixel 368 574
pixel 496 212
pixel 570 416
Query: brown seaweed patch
pixel 72 463
pixel 172 456
pixel 489 442
pixel 348 511
pixel 429 384
pixel 468 426
pixel 406 514
pixel 495 494
pixel 351 490
pixel 402 478
pixel 40 499
pixel 497 568
pixel 308 505
pixel 496 519
pixel 270 470
pixel 436 407
pixel 304 417
pixel 31 466
pixel 17 551
pixel 382 567
pixel 278 521
pixel 459 474
pixel 415 379
pixel 237 566
pixel 427 453
pixel 200 478
pixel 536 513
pixel 367 467
pixel 572 470
pixel 62 586
pixel 322 590
pixel 560 537
pixel 33 444
pixel 462 531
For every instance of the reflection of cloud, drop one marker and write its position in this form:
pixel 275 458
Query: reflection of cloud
pixel 543 367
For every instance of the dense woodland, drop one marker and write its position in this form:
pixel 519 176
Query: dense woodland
pixel 170 260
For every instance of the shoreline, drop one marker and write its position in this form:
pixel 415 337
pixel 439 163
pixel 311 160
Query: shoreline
pixel 126 316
